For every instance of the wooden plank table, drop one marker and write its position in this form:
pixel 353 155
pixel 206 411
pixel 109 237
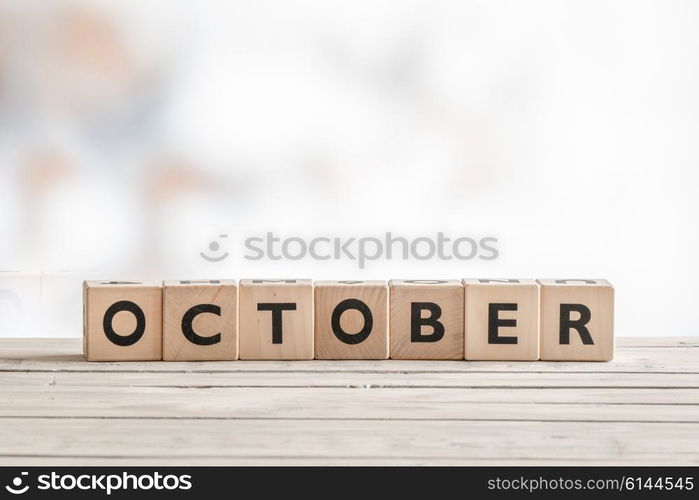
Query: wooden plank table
pixel 641 408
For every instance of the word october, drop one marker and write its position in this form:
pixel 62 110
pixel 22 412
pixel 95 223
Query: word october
pixel 295 319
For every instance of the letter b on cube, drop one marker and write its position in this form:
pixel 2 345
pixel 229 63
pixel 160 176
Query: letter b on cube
pixel 427 319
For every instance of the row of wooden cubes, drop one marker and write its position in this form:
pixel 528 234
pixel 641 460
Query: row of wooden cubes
pixel 473 319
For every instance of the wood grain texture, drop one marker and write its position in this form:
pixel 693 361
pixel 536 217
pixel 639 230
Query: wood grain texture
pixel 368 403
pixel 522 294
pixel 640 408
pixel 352 322
pixel 597 296
pixel 448 296
pixel 265 441
pixel 218 330
pixel 257 340
pixel 146 297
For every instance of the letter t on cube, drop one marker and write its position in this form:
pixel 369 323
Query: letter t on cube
pixel 276 319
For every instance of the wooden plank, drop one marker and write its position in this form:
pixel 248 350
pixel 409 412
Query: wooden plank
pixel 632 360
pixel 348 404
pixel 454 380
pixel 670 342
pixel 188 441
pixel 524 395
pixel 642 408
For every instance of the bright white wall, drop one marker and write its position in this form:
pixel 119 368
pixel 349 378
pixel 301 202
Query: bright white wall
pixel 566 129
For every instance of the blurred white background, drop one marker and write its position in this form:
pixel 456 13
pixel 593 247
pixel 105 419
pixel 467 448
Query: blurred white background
pixel 134 133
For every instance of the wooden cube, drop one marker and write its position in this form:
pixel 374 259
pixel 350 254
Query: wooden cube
pixel 577 320
pixel 427 319
pixel 122 320
pixel 276 319
pixel 351 320
pixel 200 320
pixel 502 319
